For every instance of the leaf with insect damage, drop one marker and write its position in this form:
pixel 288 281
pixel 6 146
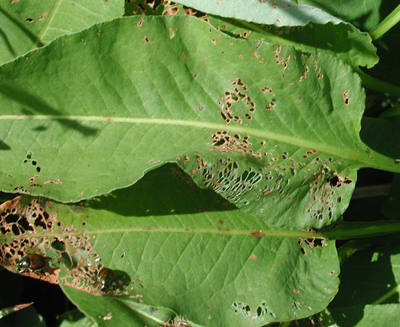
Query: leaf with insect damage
pixel 272 129
pixel 174 250
pixel 305 27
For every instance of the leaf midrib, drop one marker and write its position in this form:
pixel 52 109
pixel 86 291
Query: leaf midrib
pixel 149 230
pixel 46 24
pixel 375 160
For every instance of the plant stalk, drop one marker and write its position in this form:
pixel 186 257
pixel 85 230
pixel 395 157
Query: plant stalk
pixel 392 19
pixel 388 295
pixel 378 85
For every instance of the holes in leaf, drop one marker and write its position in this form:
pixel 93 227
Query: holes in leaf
pixel 226 179
pixel 241 308
pixel 267 89
pixel 245 310
pixel 307 244
pixel 223 142
pixel 346 98
pixel 337 181
pixel 58 244
pixel 304 58
pixel 280 60
pixel 176 322
pixel 31 226
pixel 140 22
pixel 146 39
pixel 270 105
pixel 309 152
pixel 322 186
pixel 233 101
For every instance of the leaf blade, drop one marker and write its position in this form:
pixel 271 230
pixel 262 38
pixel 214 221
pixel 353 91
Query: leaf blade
pixel 174 103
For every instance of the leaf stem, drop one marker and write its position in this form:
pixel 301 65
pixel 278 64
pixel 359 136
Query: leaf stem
pixel 272 37
pixel 392 19
pixel 371 191
pixel 394 290
pixel 378 85
pixel 355 230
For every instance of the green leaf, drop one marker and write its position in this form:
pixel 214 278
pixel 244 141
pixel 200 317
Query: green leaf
pixel 365 16
pixel 173 252
pixel 273 130
pixel 75 318
pixel 342 41
pixel 6 311
pixel 279 13
pixel 306 28
pixel 30 24
pixel 381 315
pixel 360 299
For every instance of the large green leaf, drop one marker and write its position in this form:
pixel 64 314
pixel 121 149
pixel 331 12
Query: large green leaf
pixel 178 250
pixel 365 16
pixel 272 129
pixel 342 41
pixel 279 13
pixel 26 25
pixel 305 27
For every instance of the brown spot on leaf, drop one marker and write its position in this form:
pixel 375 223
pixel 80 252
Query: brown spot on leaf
pixel 258 234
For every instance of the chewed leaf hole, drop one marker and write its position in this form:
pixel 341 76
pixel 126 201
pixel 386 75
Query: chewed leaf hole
pixel 225 178
pixel 241 308
pixel 223 142
pixel 39 246
pixel 245 310
pixel 236 104
pixel 337 181
pixel 176 322
pixel 346 97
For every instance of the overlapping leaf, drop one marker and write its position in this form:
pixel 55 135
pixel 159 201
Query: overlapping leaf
pixel 177 250
pixel 305 27
pixel 272 129
pixel 27 25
